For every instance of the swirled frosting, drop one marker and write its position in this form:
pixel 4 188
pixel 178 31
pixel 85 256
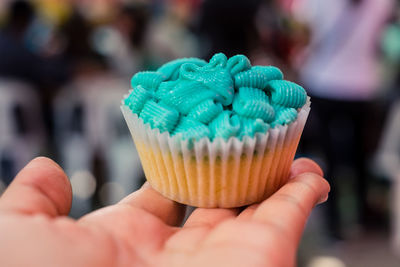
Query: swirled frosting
pixel 221 98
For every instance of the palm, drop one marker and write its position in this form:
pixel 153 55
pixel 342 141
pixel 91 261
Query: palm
pixel 142 230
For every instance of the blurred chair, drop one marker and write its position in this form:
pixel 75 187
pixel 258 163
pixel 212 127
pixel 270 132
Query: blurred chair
pixel 22 129
pixel 75 153
pixel 89 123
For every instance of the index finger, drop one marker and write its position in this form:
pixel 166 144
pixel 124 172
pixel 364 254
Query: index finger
pixel 288 209
pixel 151 201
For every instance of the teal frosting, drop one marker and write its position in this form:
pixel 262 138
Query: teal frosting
pixel 257 77
pixel 206 111
pixel 171 70
pixel 186 95
pixel 253 103
pixel 159 116
pixel 148 79
pixel 225 125
pixel 284 115
pixel 220 98
pixel 190 128
pixel 238 64
pixel 249 127
pixel 287 94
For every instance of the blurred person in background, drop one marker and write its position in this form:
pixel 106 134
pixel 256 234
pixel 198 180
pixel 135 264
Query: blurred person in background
pixel 170 34
pixel 339 68
pixel 77 49
pixel 19 62
pixel 387 161
pixel 388 166
pixel 29 77
pixel 261 30
pixel 281 37
pixel 92 137
pixel 122 41
pixel 228 27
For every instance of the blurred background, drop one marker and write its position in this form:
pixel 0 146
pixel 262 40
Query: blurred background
pixel 65 65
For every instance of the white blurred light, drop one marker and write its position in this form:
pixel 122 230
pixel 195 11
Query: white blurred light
pixel 110 193
pixel 105 40
pixel 83 184
pixel 326 261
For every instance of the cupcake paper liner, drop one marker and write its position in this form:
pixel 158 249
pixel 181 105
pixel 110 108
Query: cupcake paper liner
pixel 219 173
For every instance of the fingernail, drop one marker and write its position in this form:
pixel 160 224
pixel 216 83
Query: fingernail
pixel 322 199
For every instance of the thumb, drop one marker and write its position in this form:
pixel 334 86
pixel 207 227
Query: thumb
pixel 40 187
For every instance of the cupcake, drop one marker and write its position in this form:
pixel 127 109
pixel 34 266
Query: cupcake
pixel 211 134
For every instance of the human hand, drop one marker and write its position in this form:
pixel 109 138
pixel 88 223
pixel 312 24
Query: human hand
pixel 143 229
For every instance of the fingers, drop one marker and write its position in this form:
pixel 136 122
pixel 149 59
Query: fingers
pixel 197 227
pixel 210 217
pixel 299 166
pixel 142 218
pixel 149 200
pixel 303 165
pixel 40 187
pixel 248 212
pixel 288 209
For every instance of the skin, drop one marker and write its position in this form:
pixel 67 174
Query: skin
pixel 143 229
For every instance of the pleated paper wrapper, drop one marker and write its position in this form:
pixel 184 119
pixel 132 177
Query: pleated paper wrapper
pixel 219 173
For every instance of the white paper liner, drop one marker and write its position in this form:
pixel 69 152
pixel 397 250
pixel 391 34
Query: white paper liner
pixel 217 173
